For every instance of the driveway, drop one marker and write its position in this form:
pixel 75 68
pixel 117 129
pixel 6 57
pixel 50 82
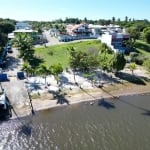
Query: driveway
pixel 15 88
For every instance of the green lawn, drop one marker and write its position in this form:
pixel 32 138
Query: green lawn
pixel 143 48
pixel 59 53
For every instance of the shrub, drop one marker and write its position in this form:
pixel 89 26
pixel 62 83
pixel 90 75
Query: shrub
pixel 147 64
pixel 137 58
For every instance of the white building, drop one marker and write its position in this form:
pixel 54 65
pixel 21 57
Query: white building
pixel 115 40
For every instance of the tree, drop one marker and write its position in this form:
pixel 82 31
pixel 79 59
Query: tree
pixel 147 64
pixel 24 44
pixel 27 68
pixel 72 60
pixel 126 19
pixel 146 35
pixel 44 71
pixel 3 39
pixel 132 67
pixel 113 20
pixel 134 33
pixel 104 49
pixel 118 62
pixel 6 27
pixel 56 69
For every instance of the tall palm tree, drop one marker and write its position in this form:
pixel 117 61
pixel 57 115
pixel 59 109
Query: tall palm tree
pixel 27 68
pixel 73 64
pixel 56 70
pixel 24 44
pixel 44 71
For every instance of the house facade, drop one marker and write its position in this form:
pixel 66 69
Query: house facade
pixel 81 30
pixel 115 40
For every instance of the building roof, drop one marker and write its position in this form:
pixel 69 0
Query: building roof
pixel 24 30
pixel 11 35
pixel 77 26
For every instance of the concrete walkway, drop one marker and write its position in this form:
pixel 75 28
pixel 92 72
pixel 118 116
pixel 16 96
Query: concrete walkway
pixel 15 88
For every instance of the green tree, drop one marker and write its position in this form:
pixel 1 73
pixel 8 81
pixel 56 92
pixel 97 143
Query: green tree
pixel 27 68
pixel 132 67
pixel 24 44
pixel 44 71
pixel 134 33
pixel 118 62
pixel 56 69
pixel 126 19
pixel 72 60
pixel 3 39
pixel 113 20
pixel 146 36
pixel 6 27
pixel 147 64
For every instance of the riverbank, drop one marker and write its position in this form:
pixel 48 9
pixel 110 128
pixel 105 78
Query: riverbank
pixel 45 96
pixel 47 100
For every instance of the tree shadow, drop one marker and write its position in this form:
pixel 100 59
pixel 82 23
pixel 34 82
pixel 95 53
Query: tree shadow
pixel 106 104
pixel 35 61
pixel 61 99
pixel 98 77
pixel 87 92
pixel 64 81
pixel 25 129
pixel 140 80
pixel 11 63
pixel 59 96
pixel 34 86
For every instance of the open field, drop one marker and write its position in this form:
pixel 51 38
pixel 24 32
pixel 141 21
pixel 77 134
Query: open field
pixel 59 53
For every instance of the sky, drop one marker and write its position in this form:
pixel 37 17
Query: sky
pixel 48 10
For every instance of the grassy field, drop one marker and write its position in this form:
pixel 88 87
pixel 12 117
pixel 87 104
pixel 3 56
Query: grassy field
pixel 59 53
pixel 143 48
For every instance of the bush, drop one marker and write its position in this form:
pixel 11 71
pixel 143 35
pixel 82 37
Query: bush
pixel 147 64
pixel 133 54
pixel 137 58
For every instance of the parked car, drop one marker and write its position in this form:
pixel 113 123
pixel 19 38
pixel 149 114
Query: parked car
pixel 9 49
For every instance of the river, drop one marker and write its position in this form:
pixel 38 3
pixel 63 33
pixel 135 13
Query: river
pixel 121 124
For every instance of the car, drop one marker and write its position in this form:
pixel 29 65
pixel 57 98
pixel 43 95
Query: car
pixel 9 49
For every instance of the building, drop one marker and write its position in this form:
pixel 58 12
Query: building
pixel 116 40
pixel 22 25
pixel 54 32
pixel 31 32
pixel 81 30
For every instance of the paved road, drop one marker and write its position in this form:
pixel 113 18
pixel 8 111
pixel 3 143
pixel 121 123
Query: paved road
pixel 51 40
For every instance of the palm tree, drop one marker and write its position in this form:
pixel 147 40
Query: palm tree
pixel 44 71
pixel 24 43
pixel 56 70
pixel 132 67
pixel 27 68
pixel 73 60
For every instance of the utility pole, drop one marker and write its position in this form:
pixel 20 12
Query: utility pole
pixel 32 110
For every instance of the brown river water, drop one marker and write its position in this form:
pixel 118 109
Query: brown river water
pixel 121 124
